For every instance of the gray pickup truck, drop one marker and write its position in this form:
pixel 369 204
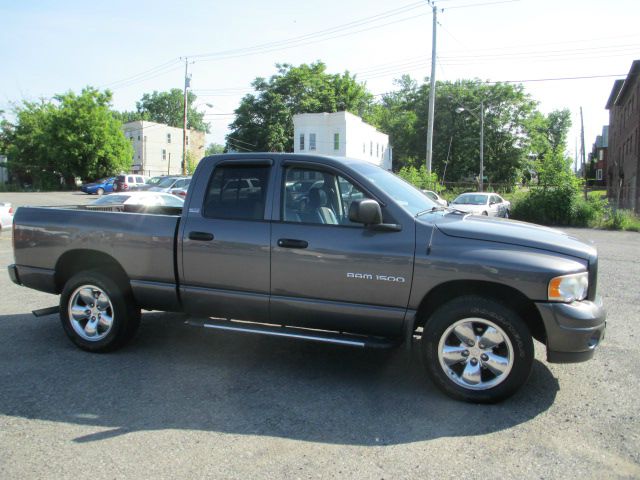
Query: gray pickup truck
pixel 323 249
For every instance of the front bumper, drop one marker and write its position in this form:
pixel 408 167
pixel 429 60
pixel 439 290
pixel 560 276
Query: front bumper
pixel 573 330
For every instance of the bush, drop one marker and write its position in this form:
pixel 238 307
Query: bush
pixel 563 206
pixel 622 220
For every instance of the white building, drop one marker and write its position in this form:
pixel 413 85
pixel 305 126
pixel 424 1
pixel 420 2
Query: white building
pixel 341 134
pixel 158 147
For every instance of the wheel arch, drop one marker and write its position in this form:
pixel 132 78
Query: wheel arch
pixel 504 294
pixel 81 260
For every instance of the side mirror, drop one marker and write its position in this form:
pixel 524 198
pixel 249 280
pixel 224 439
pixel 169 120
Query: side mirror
pixel 365 211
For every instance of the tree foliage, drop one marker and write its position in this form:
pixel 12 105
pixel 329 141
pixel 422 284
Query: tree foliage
pixel 71 136
pixel 264 120
pixel 403 115
pixel 214 149
pixel 167 108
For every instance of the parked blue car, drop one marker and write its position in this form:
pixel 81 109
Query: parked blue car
pixel 104 185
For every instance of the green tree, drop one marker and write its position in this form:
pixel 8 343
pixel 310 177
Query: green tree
pixel 264 120
pixel 167 108
pixel 53 142
pixel 214 149
pixel 403 115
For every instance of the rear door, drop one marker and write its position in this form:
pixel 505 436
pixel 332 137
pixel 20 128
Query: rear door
pixel 225 254
pixel 329 273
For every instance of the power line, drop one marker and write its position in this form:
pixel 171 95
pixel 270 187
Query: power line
pixel 318 33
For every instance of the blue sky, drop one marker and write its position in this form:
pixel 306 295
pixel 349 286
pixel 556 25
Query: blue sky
pixel 134 47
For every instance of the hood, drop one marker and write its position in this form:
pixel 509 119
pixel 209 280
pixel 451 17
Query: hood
pixel 512 232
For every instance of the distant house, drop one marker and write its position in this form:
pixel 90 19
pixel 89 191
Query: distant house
pixel 158 147
pixel 598 159
pixel 341 134
pixel 623 171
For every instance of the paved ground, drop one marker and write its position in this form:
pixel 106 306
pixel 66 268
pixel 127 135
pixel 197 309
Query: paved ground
pixel 184 403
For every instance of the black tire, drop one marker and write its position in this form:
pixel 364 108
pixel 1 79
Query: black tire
pixel 507 213
pixel 100 192
pixel 489 313
pixel 121 309
pixel 486 214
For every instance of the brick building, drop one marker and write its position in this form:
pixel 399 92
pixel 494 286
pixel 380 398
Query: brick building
pixel 623 172
pixel 598 159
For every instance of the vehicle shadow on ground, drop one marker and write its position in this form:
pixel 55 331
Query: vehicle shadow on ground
pixel 178 377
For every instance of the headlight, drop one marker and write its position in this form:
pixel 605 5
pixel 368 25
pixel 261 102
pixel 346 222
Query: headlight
pixel 568 288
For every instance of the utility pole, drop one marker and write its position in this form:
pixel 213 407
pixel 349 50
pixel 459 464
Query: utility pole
pixel 584 163
pixel 432 92
pixel 184 117
pixel 482 145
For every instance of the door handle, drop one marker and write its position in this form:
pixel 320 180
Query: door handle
pixel 201 236
pixel 291 243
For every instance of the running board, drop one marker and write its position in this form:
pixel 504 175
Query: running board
pixel 43 312
pixel 323 336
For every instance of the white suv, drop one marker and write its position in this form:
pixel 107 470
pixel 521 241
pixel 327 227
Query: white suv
pixel 128 182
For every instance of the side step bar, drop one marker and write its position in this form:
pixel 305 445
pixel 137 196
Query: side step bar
pixel 360 341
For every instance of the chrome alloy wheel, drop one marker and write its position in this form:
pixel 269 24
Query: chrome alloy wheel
pixel 90 313
pixel 476 354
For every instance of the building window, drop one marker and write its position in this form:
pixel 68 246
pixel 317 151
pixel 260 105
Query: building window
pixel 377 149
pixel 371 149
pixel 312 141
pixel 302 141
pixel 168 138
pixel 601 155
pixel 599 174
pixel 164 155
pixel 138 137
pixel 364 147
pixel 336 141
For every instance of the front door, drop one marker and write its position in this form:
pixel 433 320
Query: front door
pixel 329 273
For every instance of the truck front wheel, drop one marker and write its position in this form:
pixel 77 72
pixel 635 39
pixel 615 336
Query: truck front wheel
pixel 477 349
pixel 96 313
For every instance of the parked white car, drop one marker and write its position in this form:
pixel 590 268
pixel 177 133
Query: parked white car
pixel 435 197
pixel 482 203
pixel 6 215
pixel 149 199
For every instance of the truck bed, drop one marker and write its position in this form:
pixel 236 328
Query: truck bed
pixel 142 243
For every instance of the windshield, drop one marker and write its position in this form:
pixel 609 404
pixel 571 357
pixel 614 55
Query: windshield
pixel 403 193
pixel 166 182
pixel 471 199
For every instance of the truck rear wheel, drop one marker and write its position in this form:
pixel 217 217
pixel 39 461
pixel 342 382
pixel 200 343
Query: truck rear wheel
pixel 477 349
pixel 96 313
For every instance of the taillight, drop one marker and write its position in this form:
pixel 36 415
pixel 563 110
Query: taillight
pixel 125 186
pixel 10 210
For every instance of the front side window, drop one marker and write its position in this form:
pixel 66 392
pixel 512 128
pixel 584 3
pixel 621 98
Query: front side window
pixel 318 197
pixel 139 180
pixel 312 141
pixel 237 192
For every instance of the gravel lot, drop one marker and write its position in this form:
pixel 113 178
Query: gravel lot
pixel 181 402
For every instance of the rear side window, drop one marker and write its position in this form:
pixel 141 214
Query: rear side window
pixel 130 180
pixel 139 180
pixel 233 192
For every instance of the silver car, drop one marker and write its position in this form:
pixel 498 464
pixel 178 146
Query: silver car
pixel 482 203
pixel 171 183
